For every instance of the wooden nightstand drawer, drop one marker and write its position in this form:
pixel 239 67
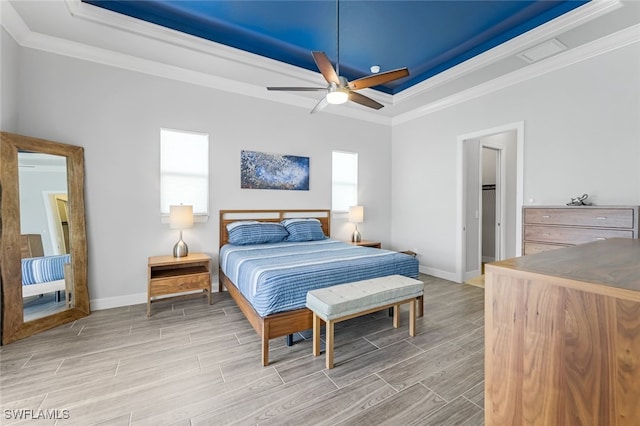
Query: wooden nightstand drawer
pixel 600 217
pixel 180 284
pixel 571 236
pixel 168 275
pixel 363 243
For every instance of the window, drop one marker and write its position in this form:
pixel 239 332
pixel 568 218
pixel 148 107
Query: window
pixel 184 171
pixel 344 183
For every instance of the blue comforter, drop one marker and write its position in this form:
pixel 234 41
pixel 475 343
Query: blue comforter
pixel 276 277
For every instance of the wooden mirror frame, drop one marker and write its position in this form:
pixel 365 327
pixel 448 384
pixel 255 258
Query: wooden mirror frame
pixel 13 325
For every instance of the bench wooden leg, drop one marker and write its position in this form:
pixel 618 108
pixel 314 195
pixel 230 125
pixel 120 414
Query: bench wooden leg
pixel 329 345
pixel 316 335
pixel 412 317
pixel 265 344
pixel 420 303
pixel 396 316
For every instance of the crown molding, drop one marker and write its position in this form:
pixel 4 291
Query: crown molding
pixel 17 28
pixel 25 37
pixel 514 46
pixel 595 48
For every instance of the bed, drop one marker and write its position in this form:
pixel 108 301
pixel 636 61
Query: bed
pixel 269 281
pixel 44 274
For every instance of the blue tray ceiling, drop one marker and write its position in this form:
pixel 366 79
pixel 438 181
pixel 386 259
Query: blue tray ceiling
pixel 426 36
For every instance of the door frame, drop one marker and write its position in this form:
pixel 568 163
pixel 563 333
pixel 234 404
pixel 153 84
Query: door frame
pixel 518 127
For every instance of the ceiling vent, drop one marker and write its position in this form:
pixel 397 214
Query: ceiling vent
pixel 542 51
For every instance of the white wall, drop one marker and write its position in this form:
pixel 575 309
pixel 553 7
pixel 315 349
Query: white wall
pixel 33 210
pixel 8 83
pixel 582 134
pixel 116 115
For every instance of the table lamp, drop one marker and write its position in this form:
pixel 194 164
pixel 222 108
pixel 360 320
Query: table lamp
pixel 180 217
pixel 356 215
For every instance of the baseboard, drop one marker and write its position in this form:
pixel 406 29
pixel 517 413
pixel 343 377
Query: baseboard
pixel 118 301
pixel 445 275
pixel 131 299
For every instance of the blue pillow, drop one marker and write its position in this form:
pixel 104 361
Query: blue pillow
pixel 252 232
pixel 304 229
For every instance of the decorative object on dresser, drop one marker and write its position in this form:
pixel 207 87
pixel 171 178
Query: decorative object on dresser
pixel 180 217
pixel 552 227
pixel 170 275
pixel 356 216
pixel 579 201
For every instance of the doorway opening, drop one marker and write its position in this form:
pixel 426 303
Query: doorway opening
pixel 489 198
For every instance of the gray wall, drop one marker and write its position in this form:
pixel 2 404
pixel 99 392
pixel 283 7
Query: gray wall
pixel 8 82
pixel 582 134
pixel 33 215
pixel 116 115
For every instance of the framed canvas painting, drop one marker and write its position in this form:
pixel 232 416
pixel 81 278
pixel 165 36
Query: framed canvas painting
pixel 260 170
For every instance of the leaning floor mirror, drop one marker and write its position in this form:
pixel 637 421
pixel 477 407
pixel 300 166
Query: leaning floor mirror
pixel 43 248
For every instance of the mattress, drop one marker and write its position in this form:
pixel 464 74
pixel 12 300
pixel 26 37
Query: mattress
pixel 276 277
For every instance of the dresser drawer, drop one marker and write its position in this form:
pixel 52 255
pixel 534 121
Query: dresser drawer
pixel 605 218
pixel 572 236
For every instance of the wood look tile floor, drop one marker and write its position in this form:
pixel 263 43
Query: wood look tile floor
pixel 198 364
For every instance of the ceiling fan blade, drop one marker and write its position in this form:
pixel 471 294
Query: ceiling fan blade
pixel 320 105
pixel 364 100
pixel 298 89
pixel 378 79
pixel 325 67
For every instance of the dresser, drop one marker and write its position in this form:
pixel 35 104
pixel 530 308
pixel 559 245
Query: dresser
pixel 552 227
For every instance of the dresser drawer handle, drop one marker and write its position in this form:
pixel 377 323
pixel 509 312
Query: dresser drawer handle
pixel 546 216
pixel 546 234
pixel 600 238
pixel 601 218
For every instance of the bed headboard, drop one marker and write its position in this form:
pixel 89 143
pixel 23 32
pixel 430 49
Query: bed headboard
pixel 228 216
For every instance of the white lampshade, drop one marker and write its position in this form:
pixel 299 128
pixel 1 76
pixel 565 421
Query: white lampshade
pixel 180 217
pixel 337 96
pixel 356 214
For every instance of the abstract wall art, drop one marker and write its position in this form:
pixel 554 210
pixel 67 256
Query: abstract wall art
pixel 259 170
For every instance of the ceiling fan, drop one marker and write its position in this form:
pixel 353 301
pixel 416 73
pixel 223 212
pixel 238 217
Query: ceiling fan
pixel 339 89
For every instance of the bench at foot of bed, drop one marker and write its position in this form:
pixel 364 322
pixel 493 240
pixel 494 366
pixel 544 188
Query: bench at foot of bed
pixel 346 301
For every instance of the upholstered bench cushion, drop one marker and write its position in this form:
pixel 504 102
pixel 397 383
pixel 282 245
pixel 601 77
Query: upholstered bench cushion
pixel 346 299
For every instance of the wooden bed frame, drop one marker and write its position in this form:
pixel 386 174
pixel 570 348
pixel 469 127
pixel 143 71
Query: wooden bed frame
pixel 281 324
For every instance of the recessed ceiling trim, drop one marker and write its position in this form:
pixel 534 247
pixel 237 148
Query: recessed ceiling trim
pixel 595 48
pixel 162 34
pixel 569 20
pixel 17 28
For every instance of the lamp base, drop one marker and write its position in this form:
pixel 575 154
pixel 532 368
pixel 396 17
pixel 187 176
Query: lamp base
pixel 180 249
pixel 356 237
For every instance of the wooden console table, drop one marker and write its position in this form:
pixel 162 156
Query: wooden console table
pixel 562 337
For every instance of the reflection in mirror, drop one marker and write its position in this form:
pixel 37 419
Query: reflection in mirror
pixel 44 234
pixel 41 220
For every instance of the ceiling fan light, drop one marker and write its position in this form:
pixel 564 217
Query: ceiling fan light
pixel 337 96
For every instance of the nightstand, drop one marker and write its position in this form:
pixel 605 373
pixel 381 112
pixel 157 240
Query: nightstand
pixel 170 275
pixel 364 243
